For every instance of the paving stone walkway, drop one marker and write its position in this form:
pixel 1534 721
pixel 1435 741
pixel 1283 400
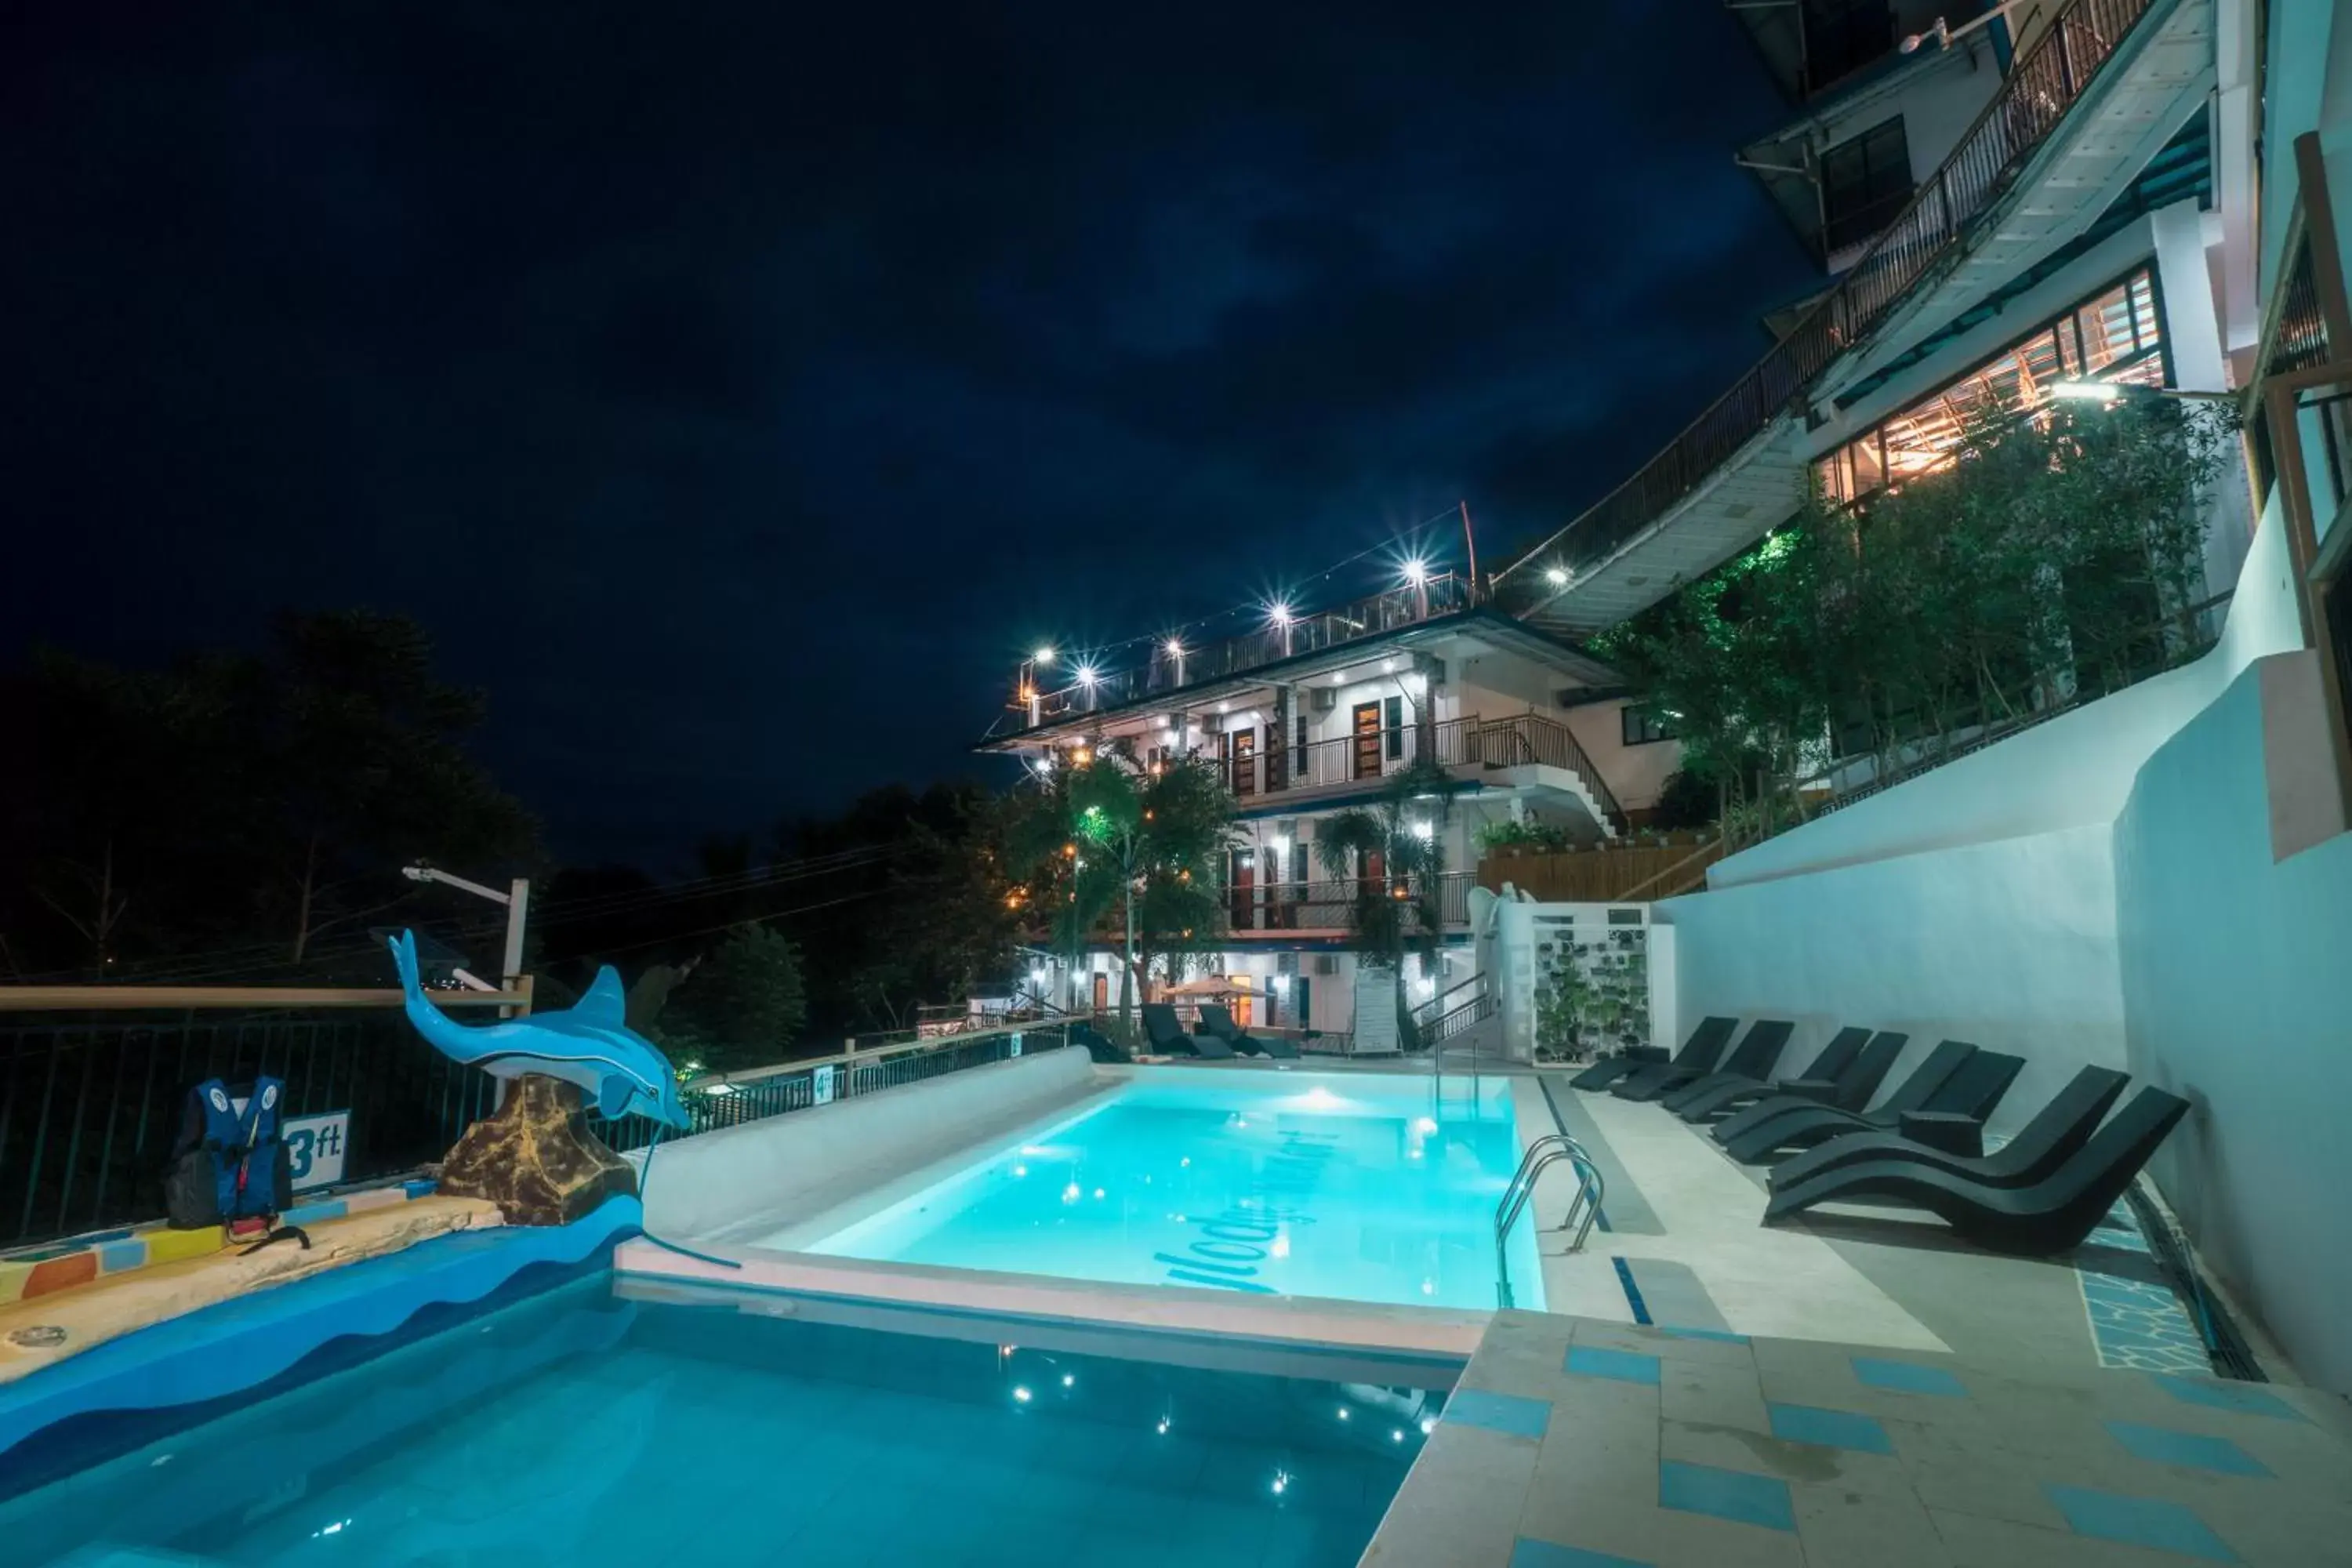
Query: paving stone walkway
pixel 1577 1443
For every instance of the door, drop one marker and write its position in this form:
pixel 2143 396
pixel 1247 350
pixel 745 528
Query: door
pixel 1244 760
pixel 1304 990
pixel 1245 891
pixel 1367 748
pixel 1102 993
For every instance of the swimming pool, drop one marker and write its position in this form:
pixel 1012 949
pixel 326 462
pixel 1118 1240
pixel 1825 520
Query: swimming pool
pixel 579 1425
pixel 1367 1187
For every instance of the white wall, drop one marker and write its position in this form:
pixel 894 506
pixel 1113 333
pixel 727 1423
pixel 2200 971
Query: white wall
pixel 2158 882
pixel 2237 981
pixel 1634 773
pixel 759 1178
pixel 2009 945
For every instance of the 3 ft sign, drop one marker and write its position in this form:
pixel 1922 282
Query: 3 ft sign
pixel 315 1145
pixel 318 1145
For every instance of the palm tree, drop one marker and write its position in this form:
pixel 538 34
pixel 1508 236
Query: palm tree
pixel 1104 836
pixel 1400 910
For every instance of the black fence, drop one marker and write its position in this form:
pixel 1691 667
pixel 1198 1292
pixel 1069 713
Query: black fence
pixel 88 1110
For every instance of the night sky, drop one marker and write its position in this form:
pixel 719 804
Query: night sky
pixel 737 390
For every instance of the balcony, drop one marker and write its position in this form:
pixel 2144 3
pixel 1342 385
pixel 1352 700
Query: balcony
pixel 2026 175
pixel 1323 909
pixel 1475 750
pixel 1172 668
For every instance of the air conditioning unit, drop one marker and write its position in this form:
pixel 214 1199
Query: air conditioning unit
pixel 1323 699
pixel 1326 963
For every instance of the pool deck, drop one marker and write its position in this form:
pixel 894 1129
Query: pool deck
pixel 1682 1244
pixel 56 1327
pixel 1575 1443
pixel 1857 1389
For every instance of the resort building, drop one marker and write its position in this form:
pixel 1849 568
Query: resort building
pixel 1314 711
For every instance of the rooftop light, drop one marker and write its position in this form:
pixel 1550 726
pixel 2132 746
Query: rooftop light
pixel 1556 575
pixel 2085 391
pixel 1278 612
pixel 1086 675
pixel 1043 656
pixel 1416 572
pixel 1175 647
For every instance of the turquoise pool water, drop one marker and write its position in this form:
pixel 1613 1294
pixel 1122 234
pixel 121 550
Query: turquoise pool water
pixel 578 1427
pixel 1361 1186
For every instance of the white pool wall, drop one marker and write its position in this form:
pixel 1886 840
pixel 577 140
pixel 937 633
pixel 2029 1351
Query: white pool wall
pixel 764 1175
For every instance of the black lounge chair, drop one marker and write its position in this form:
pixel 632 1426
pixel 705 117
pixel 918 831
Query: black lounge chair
pixel 1217 1022
pixel 2056 1213
pixel 1720 1091
pixel 2041 1146
pixel 1851 1093
pixel 1752 1057
pixel 1967 1097
pixel 1100 1047
pixel 1706 1044
pixel 1168 1039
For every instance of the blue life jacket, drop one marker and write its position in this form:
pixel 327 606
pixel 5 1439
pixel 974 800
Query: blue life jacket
pixel 246 1150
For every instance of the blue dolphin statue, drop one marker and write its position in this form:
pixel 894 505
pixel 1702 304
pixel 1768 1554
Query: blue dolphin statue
pixel 590 1045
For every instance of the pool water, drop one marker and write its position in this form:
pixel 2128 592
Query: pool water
pixel 579 1426
pixel 1367 1187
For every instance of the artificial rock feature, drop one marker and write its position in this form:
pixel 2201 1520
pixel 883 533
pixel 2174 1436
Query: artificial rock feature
pixel 535 1158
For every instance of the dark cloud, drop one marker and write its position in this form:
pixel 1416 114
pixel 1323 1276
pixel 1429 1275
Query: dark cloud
pixel 735 389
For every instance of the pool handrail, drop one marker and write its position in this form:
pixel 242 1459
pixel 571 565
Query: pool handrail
pixel 1541 1153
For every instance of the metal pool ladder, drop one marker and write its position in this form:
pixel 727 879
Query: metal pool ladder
pixel 1542 1154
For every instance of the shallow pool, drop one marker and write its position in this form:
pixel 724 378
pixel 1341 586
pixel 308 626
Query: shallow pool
pixel 580 1426
pixel 1368 1187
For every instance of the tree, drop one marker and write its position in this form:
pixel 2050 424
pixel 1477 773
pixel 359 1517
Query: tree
pixel 1397 907
pixel 743 1006
pixel 250 805
pixel 1105 836
pixel 2056 556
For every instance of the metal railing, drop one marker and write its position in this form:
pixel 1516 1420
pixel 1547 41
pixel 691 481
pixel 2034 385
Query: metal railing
pixel 1328 906
pixel 1165 671
pixel 1582 1211
pixel 1457 1020
pixel 765 1092
pixel 1427 1012
pixel 1513 740
pixel 89 1111
pixel 2047 81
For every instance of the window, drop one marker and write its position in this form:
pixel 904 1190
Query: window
pixel 1298 749
pixel 1864 183
pixel 1395 723
pixel 1644 726
pixel 2113 336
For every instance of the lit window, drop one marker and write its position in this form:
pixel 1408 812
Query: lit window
pixel 2114 336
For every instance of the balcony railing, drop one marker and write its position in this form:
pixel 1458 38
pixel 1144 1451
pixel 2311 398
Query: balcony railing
pixel 1167 670
pixel 1328 906
pixel 1371 755
pixel 2048 81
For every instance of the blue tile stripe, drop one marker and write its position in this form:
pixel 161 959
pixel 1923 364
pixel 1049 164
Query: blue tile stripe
pixel 1907 1377
pixel 2243 1397
pixel 1632 1291
pixel 1509 1413
pixel 1830 1428
pixel 1623 1366
pixel 1734 1495
pixel 2163 1446
pixel 2141 1521
pixel 1529 1552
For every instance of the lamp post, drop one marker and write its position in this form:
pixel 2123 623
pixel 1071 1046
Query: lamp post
pixel 516 899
